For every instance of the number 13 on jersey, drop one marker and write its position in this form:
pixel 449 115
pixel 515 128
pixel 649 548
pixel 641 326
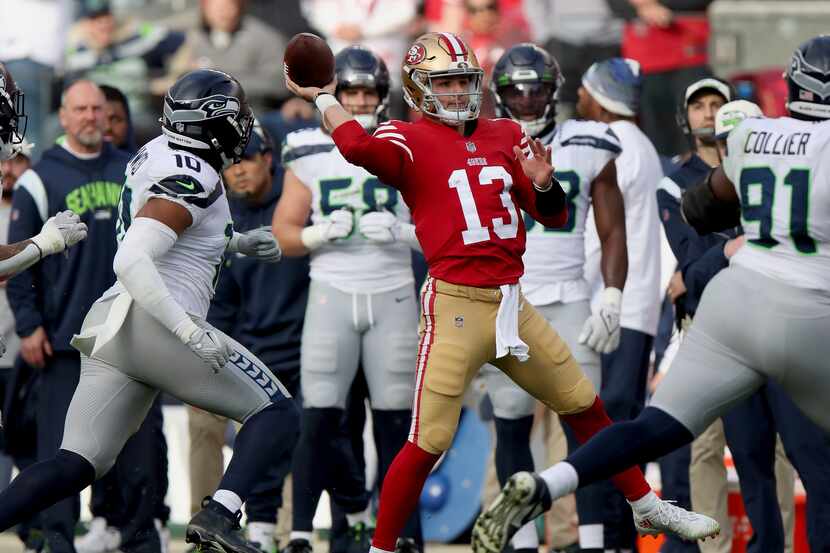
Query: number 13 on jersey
pixel 504 227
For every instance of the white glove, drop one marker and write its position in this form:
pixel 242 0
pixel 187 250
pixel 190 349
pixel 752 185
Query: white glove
pixel 59 232
pixel 206 344
pixel 601 332
pixel 381 227
pixel 338 225
pixel 258 243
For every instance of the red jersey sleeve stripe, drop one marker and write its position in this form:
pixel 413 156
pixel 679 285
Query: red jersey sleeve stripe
pixel 391 135
pixel 405 147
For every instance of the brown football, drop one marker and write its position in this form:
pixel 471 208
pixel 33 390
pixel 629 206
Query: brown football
pixel 308 60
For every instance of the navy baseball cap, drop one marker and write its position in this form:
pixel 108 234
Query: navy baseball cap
pixel 259 142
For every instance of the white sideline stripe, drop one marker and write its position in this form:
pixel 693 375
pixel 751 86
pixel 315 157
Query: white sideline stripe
pixel 391 135
pixel 405 147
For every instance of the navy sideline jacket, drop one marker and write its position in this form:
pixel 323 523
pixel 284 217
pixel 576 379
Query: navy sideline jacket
pixel 57 292
pixel 262 305
pixel 699 257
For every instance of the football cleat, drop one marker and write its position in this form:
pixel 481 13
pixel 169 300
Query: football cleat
pixel 216 530
pixel 524 497
pixel 668 518
pixel 99 538
pixel 406 545
pixel 360 538
pixel 298 546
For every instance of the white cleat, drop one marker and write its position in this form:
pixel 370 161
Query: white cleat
pixel 100 538
pixel 668 518
pixel 524 497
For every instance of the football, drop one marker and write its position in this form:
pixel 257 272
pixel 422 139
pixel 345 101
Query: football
pixel 308 60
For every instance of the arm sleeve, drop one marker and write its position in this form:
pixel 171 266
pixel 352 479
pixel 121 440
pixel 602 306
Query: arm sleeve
pixel 224 308
pixel 384 154
pixel 24 290
pixel 699 272
pixel 147 240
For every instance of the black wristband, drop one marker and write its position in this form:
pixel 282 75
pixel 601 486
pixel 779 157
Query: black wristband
pixel 552 200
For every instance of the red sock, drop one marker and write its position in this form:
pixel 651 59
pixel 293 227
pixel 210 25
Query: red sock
pixel 401 492
pixel 630 482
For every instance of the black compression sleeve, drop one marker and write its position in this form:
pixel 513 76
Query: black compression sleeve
pixel 551 201
pixel 705 212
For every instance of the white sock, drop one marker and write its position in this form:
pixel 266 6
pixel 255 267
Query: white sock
pixel 645 504
pixel 356 518
pixel 561 479
pixel 591 536
pixel 526 537
pixel 374 549
pixel 300 536
pixel 228 499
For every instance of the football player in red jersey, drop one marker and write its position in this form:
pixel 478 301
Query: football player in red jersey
pixel 464 179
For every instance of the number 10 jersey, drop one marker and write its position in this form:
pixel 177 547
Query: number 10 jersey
pixel 781 172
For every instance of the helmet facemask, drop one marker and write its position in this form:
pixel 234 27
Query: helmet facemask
pixel 12 122
pixel 431 104
pixel 531 104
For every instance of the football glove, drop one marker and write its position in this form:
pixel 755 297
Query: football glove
pixel 601 332
pixel 381 227
pixel 338 225
pixel 258 243
pixel 62 231
pixel 206 343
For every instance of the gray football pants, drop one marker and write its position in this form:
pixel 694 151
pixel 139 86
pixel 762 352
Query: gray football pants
pixel 748 328
pixel 512 402
pixel 341 329
pixel 119 385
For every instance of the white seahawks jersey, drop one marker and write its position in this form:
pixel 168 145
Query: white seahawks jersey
pixel 555 257
pixel 352 264
pixel 781 172
pixel 191 267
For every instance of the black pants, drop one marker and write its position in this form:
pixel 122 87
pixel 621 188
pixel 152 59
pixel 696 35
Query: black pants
pixel 59 378
pixel 624 374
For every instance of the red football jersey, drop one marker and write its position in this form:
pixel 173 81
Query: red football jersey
pixel 465 192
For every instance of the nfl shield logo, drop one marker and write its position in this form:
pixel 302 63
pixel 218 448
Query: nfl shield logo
pixel 471 147
pixel 459 321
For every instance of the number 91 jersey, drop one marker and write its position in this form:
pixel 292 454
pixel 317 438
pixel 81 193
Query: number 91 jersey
pixel 189 269
pixel 555 257
pixel 781 172
pixel 352 264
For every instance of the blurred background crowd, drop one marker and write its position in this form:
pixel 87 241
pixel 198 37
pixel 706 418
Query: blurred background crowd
pixel 136 48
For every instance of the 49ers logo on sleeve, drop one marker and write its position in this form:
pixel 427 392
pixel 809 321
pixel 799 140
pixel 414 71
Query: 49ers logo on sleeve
pixel 416 54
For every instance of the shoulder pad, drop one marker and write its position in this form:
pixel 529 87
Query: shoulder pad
pixel 187 188
pixel 592 134
pixel 305 142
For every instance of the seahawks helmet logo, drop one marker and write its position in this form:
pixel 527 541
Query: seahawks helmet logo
pixel 217 107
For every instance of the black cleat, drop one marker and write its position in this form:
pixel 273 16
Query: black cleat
pixel 406 545
pixel 360 538
pixel 298 545
pixel 215 529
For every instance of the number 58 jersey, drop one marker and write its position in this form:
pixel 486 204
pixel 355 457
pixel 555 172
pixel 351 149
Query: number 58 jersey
pixel 352 264
pixel 781 172
pixel 190 268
